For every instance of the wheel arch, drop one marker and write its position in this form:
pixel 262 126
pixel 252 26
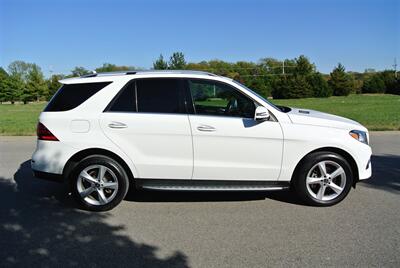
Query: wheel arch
pixel 340 152
pixel 77 157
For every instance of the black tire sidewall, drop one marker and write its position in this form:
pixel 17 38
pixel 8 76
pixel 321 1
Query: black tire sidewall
pixel 311 160
pixel 123 182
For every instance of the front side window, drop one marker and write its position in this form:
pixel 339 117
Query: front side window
pixel 160 95
pixel 219 99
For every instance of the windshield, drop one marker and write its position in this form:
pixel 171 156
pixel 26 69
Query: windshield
pixel 258 95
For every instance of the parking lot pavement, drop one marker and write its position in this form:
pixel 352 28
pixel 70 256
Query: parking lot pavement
pixel 40 226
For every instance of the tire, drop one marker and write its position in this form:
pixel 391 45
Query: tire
pixel 94 194
pixel 317 187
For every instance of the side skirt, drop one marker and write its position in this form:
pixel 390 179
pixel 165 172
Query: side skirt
pixel 209 185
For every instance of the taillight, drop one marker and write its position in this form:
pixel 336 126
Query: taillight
pixel 44 134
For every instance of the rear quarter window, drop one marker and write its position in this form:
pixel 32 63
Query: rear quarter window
pixel 71 96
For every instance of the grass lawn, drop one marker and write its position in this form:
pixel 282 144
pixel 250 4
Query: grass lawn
pixel 376 112
pixel 19 119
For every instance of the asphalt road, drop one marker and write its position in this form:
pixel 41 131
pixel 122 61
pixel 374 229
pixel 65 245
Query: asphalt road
pixel 39 225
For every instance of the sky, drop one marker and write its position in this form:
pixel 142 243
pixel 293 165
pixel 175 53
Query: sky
pixel 59 35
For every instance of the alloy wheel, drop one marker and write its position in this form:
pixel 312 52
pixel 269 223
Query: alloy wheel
pixel 97 185
pixel 326 180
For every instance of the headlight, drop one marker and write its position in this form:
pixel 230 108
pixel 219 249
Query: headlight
pixel 359 135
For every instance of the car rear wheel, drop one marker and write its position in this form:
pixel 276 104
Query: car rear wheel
pixel 99 183
pixel 323 179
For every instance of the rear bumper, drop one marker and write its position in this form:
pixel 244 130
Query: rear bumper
pixel 51 156
pixel 48 176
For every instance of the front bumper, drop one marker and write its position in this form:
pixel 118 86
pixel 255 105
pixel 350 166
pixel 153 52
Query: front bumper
pixel 365 172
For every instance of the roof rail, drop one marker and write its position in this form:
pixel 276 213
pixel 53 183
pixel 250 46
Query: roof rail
pixel 94 74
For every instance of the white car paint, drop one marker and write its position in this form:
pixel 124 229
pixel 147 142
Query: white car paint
pixel 165 146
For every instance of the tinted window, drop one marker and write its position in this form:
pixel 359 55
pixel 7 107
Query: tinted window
pixel 214 98
pixel 160 96
pixel 125 101
pixel 71 96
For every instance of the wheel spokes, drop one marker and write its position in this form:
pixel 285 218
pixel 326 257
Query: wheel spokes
pixel 322 168
pixel 87 192
pixel 335 187
pixel 321 192
pixel 88 177
pixel 102 196
pixel 326 180
pixel 101 173
pixel 110 185
pixel 312 180
pixel 98 179
pixel 338 172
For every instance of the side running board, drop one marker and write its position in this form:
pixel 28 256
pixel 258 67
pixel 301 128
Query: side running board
pixel 209 185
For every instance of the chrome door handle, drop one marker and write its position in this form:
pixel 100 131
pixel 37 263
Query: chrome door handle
pixel 117 125
pixel 206 128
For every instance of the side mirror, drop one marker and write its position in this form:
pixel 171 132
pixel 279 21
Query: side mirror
pixel 261 114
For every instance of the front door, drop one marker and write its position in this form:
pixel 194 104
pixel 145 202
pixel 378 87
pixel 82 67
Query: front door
pixel 228 143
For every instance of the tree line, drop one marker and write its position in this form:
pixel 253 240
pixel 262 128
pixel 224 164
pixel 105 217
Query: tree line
pixel 290 78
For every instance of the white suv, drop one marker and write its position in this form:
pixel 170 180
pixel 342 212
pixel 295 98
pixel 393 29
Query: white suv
pixel 187 130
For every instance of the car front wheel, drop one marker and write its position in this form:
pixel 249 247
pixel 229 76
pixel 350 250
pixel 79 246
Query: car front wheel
pixel 323 179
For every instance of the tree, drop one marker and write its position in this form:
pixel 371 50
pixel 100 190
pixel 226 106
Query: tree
pixel 18 71
pixel 16 86
pixel 53 84
pixel 299 87
pixel 20 68
pixel 36 86
pixel 5 89
pixel 160 63
pixel 79 71
pixel 291 87
pixel 340 82
pixel 108 67
pixel 319 86
pixel 303 66
pixel 177 61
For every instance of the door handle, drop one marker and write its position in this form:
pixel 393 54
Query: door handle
pixel 206 128
pixel 117 125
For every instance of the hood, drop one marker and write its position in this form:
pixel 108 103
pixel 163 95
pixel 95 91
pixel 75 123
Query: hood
pixel 315 118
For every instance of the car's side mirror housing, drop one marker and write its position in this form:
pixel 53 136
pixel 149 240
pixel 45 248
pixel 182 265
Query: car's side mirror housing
pixel 261 114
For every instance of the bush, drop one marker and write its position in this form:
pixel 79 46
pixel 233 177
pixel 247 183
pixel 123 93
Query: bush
pixel 394 88
pixel 374 84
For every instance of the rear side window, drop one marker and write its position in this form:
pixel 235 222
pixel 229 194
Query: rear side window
pixel 125 101
pixel 71 96
pixel 160 95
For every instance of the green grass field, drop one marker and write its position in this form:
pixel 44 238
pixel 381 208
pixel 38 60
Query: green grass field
pixel 19 119
pixel 376 112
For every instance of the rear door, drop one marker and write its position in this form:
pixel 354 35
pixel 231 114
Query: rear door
pixel 228 143
pixel 148 121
